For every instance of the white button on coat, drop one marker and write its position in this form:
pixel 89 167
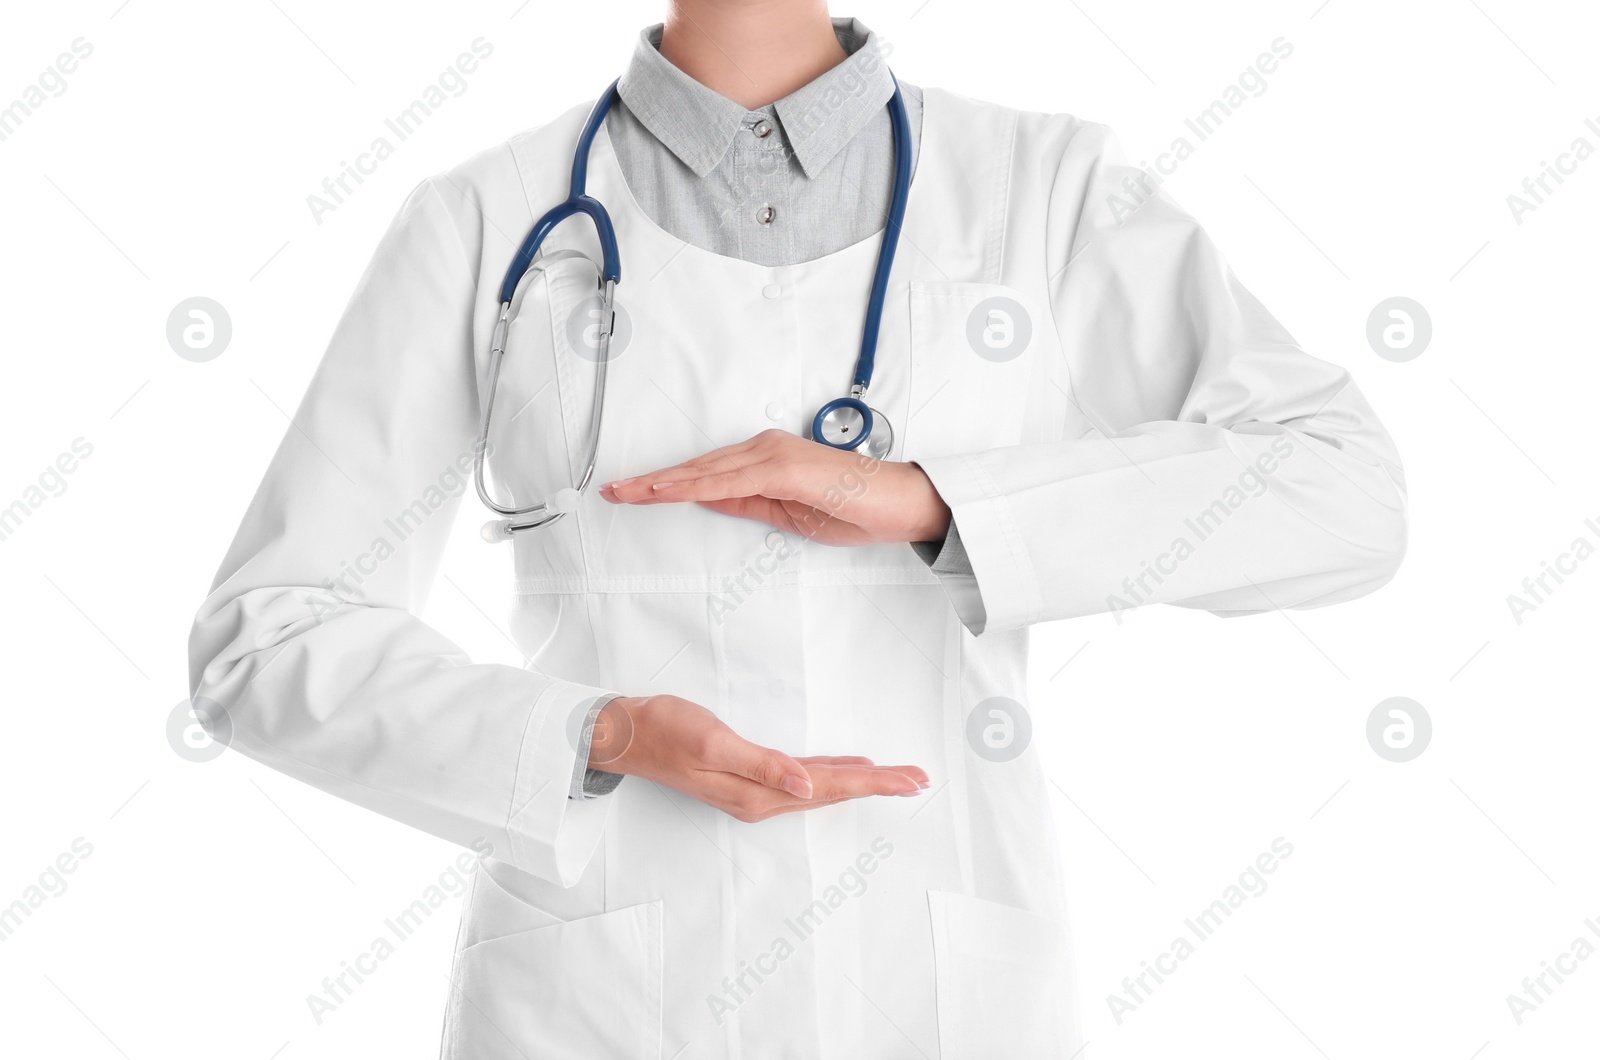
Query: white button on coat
pixel 1225 470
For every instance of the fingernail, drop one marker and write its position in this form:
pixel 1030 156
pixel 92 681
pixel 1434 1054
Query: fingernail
pixel 619 482
pixel 909 793
pixel 662 485
pixel 799 788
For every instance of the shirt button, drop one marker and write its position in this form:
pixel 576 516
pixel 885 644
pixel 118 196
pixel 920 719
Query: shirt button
pixel 775 540
pixel 774 411
pixel 765 215
pixel 771 290
pixel 762 128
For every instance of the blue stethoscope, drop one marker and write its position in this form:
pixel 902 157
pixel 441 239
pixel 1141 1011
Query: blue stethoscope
pixel 843 423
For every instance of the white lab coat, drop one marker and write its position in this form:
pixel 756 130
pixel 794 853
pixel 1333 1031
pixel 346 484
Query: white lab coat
pixel 1154 403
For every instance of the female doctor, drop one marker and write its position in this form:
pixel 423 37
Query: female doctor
pixel 1075 408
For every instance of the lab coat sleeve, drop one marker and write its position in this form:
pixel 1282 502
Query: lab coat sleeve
pixel 310 640
pixel 1222 467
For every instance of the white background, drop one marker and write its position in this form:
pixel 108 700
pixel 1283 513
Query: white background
pixel 1377 163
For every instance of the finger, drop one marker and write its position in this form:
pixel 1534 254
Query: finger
pixel 712 485
pixel 767 462
pixel 830 782
pixel 711 481
pixel 835 782
pixel 813 524
pixel 916 773
pixel 747 800
pixel 607 493
pixel 750 801
pixel 632 490
pixel 911 774
pixel 771 769
pixel 757 509
pixel 813 805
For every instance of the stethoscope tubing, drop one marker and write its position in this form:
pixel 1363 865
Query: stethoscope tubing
pixel 866 360
pixel 579 201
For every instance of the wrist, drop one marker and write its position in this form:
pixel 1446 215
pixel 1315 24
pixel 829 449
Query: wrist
pixel 613 734
pixel 929 514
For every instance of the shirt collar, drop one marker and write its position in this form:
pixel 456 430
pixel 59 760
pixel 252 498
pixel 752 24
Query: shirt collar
pixel 698 124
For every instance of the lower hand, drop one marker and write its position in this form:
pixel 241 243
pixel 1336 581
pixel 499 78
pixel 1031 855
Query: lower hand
pixel 834 496
pixel 686 747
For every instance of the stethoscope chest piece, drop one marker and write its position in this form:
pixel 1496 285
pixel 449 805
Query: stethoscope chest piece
pixel 844 422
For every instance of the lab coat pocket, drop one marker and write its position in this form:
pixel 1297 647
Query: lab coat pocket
pixel 566 990
pixel 1004 980
pixel 978 379
pixel 495 910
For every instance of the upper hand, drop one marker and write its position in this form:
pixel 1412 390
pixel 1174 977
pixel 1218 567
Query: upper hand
pixel 834 496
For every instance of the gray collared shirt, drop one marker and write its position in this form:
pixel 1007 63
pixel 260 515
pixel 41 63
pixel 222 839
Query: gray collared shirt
pixel 797 179
pixel 791 181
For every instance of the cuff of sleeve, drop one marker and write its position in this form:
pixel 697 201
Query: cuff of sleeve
pixel 948 561
pixel 948 556
pixel 597 782
pixel 999 590
pixel 591 783
pixel 552 835
pixel 952 558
